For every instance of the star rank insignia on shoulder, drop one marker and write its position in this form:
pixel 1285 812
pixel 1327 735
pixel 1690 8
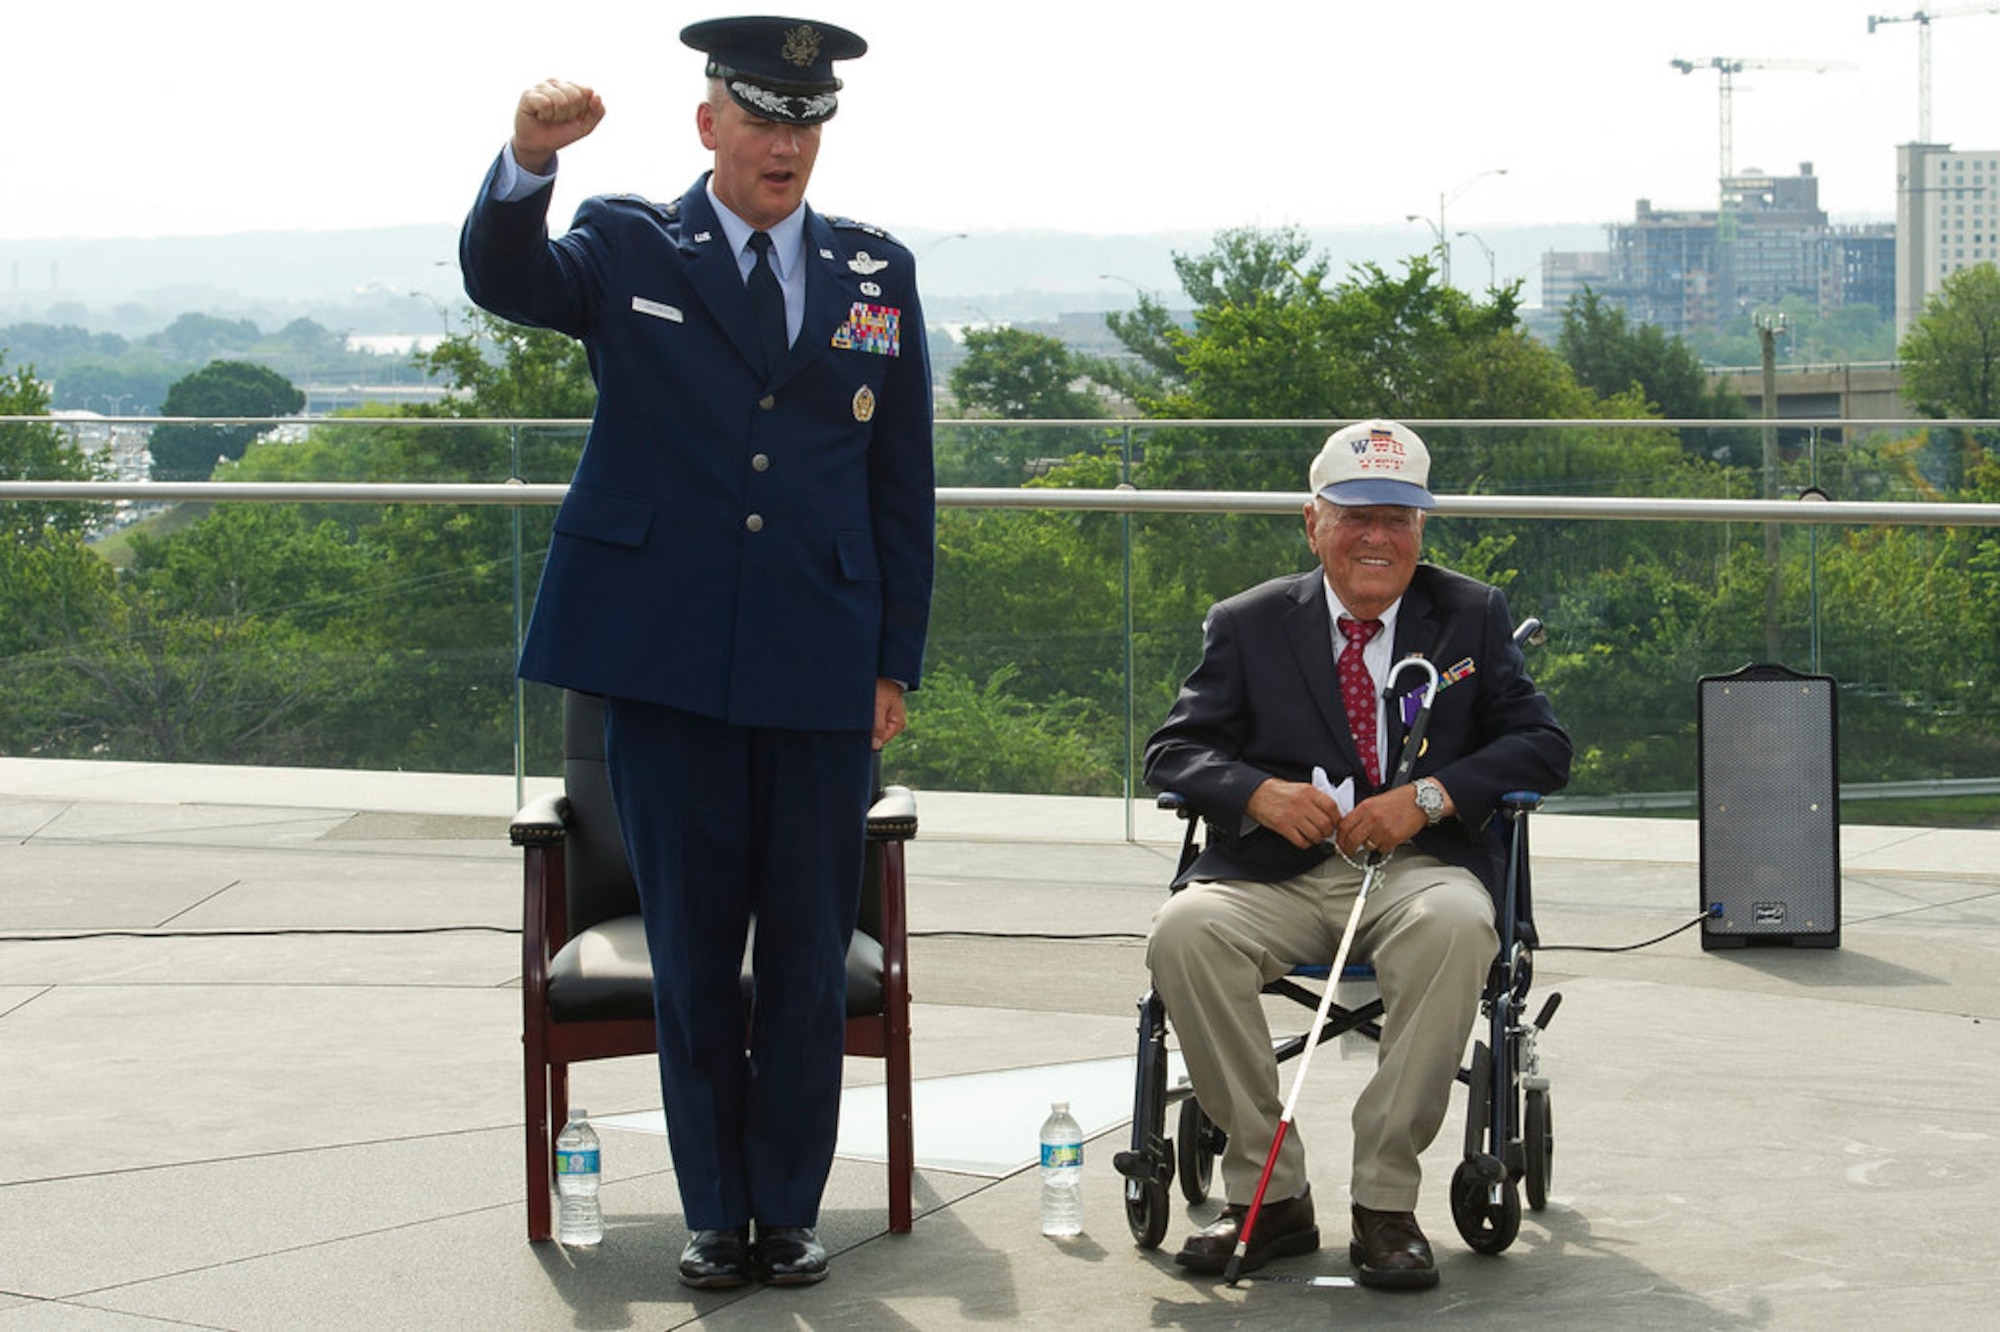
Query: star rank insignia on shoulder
pixel 850 224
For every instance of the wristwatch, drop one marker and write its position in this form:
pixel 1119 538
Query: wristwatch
pixel 1430 798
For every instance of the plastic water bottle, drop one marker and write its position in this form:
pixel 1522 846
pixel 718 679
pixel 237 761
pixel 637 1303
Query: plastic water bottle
pixel 1062 1173
pixel 579 1220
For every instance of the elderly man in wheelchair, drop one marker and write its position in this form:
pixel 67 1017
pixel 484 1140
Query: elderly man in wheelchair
pixel 1284 710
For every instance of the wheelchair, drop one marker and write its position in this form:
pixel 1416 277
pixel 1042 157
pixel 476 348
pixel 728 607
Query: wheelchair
pixel 1509 1127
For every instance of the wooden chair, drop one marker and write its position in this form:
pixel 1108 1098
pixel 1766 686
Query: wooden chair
pixel 586 981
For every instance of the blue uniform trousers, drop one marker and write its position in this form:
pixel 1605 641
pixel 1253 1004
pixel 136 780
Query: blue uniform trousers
pixel 726 825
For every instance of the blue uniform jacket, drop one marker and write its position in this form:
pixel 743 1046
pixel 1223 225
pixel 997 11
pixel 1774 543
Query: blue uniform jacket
pixel 750 548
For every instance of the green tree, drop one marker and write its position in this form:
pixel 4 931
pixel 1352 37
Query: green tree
pixel 1019 375
pixel 241 639
pixel 203 337
pixel 1610 357
pixel 50 581
pixel 500 369
pixel 1014 374
pixel 1951 368
pixel 32 451
pixel 1951 354
pixel 220 388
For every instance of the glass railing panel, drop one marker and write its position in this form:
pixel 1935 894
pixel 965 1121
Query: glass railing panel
pixel 382 635
pixel 313 635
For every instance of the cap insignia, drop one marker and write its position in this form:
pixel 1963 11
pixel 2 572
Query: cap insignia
pixel 801 45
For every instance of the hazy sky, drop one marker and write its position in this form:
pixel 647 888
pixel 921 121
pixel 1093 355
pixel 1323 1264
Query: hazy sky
pixel 219 116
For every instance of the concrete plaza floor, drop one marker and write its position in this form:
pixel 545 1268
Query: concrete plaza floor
pixel 260 1064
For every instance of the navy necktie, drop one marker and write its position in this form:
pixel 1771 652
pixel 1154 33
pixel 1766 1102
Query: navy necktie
pixel 767 302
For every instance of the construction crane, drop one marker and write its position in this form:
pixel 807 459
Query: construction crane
pixel 1922 18
pixel 1729 67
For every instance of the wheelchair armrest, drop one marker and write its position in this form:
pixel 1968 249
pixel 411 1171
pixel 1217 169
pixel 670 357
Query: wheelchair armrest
pixel 1521 802
pixel 543 821
pixel 1176 802
pixel 893 817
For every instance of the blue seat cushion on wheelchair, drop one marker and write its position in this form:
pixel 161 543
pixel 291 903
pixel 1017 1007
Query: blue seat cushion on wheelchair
pixel 1353 971
pixel 605 972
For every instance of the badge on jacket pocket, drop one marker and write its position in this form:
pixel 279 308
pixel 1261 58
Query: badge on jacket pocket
pixel 864 403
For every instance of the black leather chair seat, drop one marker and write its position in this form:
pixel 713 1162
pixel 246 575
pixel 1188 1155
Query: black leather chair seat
pixel 604 973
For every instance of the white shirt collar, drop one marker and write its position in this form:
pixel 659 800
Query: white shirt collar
pixel 1336 610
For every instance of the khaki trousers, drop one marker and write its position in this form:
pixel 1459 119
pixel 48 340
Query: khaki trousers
pixel 1428 929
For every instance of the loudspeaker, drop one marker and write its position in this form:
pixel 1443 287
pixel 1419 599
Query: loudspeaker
pixel 1770 809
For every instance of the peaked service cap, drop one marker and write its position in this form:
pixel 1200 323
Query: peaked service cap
pixel 776 68
pixel 1374 462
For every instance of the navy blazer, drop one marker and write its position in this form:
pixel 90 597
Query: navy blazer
pixel 1264 702
pixel 752 548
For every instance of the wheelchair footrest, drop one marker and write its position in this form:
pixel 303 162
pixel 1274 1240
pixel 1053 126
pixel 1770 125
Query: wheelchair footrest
pixel 1136 1165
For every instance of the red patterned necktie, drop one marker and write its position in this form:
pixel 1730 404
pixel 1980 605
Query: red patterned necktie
pixel 1357 691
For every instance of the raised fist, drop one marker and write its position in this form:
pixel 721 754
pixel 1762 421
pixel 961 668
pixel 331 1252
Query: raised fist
pixel 551 116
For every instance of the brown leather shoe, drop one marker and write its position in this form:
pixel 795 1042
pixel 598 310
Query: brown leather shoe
pixel 1391 1251
pixel 1285 1229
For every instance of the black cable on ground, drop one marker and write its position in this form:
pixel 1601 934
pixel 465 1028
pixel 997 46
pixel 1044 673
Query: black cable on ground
pixel 1025 934
pixel 1621 948
pixel 258 933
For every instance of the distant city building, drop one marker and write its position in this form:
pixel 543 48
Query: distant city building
pixel 1867 270
pixel 1565 273
pixel 1767 240
pixel 1948 216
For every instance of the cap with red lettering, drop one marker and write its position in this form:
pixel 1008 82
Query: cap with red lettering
pixel 1374 462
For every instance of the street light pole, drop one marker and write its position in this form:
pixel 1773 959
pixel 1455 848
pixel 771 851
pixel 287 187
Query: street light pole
pixel 1444 251
pixel 1450 196
pixel 1492 269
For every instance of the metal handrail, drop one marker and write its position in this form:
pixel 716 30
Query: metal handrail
pixel 1122 499
pixel 1102 423
pixel 1828 513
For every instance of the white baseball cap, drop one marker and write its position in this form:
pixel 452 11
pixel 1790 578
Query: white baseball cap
pixel 1374 462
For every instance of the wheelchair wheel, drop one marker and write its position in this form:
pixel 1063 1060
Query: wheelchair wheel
pixel 1200 1142
pixel 1538 1133
pixel 1487 1226
pixel 1146 1211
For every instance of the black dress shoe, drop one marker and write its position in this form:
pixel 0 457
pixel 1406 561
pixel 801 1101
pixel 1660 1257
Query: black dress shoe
pixel 1285 1229
pixel 789 1256
pixel 1391 1251
pixel 716 1259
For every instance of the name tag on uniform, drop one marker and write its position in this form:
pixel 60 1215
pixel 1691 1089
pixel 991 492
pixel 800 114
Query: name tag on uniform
pixel 657 309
